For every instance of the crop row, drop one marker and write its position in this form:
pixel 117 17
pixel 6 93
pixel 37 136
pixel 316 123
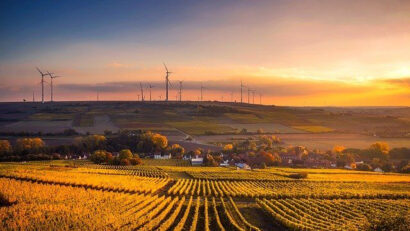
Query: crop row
pixel 288 189
pixel 318 214
pixel 81 209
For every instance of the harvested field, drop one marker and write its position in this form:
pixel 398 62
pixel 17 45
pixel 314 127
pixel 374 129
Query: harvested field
pixel 266 127
pixel 44 126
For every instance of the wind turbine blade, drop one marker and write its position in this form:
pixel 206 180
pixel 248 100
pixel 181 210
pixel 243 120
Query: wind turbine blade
pixel 165 67
pixel 38 69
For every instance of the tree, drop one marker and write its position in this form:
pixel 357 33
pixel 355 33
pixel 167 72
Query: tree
pixel 198 152
pixel 260 131
pixel 125 162
pixel 364 167
pixel 228 148
pixel 29 145
pixel 5 147
pixel 91 142
pixel 338 149
pixel 379 150
pixel 270 159
pixel 99 156
pixel 135 160
pixel 177 150
pixel 209 161
pixel 125 154
pixel 159 141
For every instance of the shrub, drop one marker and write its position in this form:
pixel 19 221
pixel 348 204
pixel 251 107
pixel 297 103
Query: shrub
pixel 300 175
pixel 364 167
pixel 125 162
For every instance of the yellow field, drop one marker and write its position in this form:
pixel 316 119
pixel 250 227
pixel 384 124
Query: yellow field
pixel 52 196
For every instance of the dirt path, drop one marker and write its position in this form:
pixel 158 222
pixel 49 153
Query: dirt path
pixel 101 123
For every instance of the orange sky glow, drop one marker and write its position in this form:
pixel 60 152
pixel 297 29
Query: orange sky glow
pixel 302 53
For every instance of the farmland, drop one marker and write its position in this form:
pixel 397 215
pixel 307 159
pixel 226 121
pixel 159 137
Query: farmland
pixel 212 122
pixel 170 195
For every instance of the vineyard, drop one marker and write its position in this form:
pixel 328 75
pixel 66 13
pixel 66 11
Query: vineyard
pixel 149 197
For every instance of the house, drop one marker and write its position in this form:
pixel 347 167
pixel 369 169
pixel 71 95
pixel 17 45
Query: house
pixel 242 166
pixel 348 166
pixel 224 163
pixel 162 157
pixel 289 158
pixel 197 160
pixel 378 170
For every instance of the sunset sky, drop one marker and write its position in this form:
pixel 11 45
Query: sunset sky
pixel 339 53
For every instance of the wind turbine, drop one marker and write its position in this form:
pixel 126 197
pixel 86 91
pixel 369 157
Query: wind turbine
pixel 52 76
pixel 242 86
pixel 253 96
pixel 202 88
pixel 142 92
pixel 260 98
pixel 150 87
pixel 42 84
pixel 180 90
pixel 249 91
pixel 167 81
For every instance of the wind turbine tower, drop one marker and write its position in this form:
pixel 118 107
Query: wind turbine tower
pixel 52 76
pixel 42 84
pixel 249 91
pixel 202 88
pixel 167 82
pixel 180 91
pixel 242 86
pixel 142 92
pixel 253 96
pixel 150 87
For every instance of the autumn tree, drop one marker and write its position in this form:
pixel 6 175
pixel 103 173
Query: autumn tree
pixel 338 149
pixel 29 145
pixel 5 147
pixel 177 150
pixel 379 150
pixel 159 141
pixel 99 156
pixel 228 148
pixel 91 142
pixel 270 159
pixel 135 160
pixel 125 154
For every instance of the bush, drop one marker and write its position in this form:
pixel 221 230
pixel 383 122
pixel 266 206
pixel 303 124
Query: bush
pixel 125 162
pixel 300 175
pixel 364 167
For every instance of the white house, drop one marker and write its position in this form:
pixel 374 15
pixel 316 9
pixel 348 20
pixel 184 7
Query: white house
pixel 197 160
pixel 162 157
pixel 242 166
pixel 378 170
pixel 224 163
